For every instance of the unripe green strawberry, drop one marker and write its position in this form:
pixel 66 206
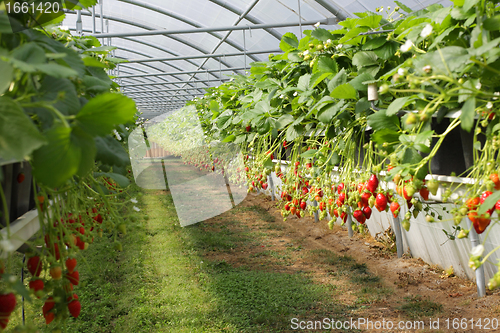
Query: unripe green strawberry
pixel 432 186
pixel 122 228
pixel 118 246
pixel 406 224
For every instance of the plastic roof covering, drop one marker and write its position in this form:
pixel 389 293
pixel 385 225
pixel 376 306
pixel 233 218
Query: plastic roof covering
pixel 128 16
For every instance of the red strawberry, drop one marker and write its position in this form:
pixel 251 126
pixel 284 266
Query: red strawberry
pixel 264 186
pixel 36 285
pixel 483 197
pixel 497 206
pixel 359 216
pixel 49 317
pixel 303 205
pixel 372 183
pixel 343 216
pixel 494 178
pixel 342 198
pixel 340 188
pixel 20 177
pixel 74 277
pixel 248 128
pixel 365 198
pixel 71 264
pixel 395 208
pixel 424 192
pixel 3 322
pixel 367 211
pixel 380 202
pixel 34 265
pixel 98 218
pixel 287 207
pixel 7 304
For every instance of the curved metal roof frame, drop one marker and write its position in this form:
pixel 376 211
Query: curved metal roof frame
pixel 148 83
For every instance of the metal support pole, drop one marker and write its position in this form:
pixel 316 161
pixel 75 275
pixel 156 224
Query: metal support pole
pixel 93 19
pixel 220 71
pixel 245 51
pixel 271 185
pixel 79 24
pixel 300 20
pixel 350 232
pixel 399 236
pixel 316 214
pixel 480 279
pixel 328 21
pixel 102 19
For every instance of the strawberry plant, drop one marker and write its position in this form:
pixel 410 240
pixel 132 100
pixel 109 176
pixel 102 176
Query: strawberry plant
pixel 61 112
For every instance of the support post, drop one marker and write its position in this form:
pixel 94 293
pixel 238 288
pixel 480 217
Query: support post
pixel 350 232
pixel 79 24
pixel 93 19
pixel 102 19
pixel 399 236
pixel 271 185
pixel 480 279
pixel 245 50
pixel 316 214
pixel 300 20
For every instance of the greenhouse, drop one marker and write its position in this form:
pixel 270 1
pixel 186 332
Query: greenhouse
pixel 249 166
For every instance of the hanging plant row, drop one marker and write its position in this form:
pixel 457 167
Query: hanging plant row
pixel 309 106
pixel 61 113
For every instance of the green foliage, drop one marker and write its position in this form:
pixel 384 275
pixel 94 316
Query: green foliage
pixel 58 95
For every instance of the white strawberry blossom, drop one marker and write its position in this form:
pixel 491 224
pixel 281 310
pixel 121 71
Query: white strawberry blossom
pixel 478 85
pixel 133 200
pixel 426 31
pixel 477 251
pixel 489 105
pixel 407 46
pixel 137 209
pixel 295 93
pixel 317 25
pixel 401 71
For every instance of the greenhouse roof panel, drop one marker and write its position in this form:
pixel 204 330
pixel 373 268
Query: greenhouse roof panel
pixel 236 49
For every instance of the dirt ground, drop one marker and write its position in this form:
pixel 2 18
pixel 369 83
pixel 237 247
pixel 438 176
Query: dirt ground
pixel 406 277
pixel 401 279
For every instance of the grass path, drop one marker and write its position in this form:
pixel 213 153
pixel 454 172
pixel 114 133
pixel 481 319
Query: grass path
pixel 232 273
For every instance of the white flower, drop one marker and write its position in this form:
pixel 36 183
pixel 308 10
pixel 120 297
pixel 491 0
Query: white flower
pixel 133 200
pixel 329 41
pixel 306 52
pixel 7 246
pixel 489 105
pixel 64 27
pixel 282 96
pixel 426 31
pixel 317 25
pixel 295 93
pixel 402 71
pixel 496 93
pixel 477 251
pixel 137 209
pixel 338 47
pixel 478 85
pixel 406 46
